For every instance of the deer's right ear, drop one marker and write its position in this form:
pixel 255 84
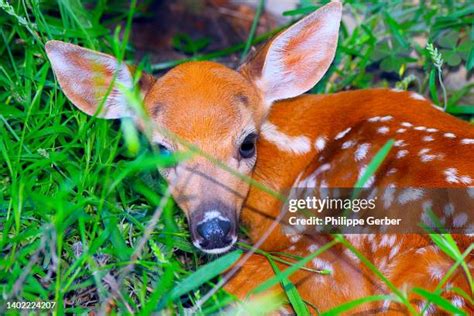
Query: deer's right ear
pixel 296 59
pixel 85 77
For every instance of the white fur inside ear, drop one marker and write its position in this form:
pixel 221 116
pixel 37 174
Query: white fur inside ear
pixel 298 58
pixel 85 76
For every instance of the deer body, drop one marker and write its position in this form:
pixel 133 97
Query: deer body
pixel 342 132
pixel 357 118
pixel 318 141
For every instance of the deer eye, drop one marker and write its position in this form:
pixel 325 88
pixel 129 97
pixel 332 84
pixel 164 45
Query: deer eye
pixel 164 150
pixel 247 148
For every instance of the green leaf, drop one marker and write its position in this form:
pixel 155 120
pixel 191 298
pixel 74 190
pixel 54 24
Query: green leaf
pixel 120 247
pixel 304 10
pixel 449 40
pixel 440 301
pixel 186 44
pixel 390 64
pixel 395 30
pixel 452 57
pixel 433 89
pixel 130 136
pixel 338 310
pixel 204 274
pixel 448 245
pixel 470 59
pixel 461 109
pixel 291 292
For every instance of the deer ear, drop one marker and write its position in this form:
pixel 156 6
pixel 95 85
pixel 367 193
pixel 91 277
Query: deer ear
pixel 85 77
pixel 295 60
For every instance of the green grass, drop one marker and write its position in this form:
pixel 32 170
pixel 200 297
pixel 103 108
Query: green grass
pixel 84 215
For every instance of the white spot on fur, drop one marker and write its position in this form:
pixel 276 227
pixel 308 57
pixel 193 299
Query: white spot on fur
pixel 361 151
pixel 369 181
pixel 453 177
pixel 323 168
pixel 467 141
pixel 383 130
pixel 392 171
pixel 401 130
pixel 409 195
pixel 428 139
pixel 322 264
pixel 427 205
pixel 465 179
pixel 388 196
pixel 460 220
pixel 348 144
pixel 431 130
pixel 401 154
pixel 436 272
pixel 312 248
pixel 420 128
pixel 449 135
pixel 399 143
pixel 458 301
pixel 406 124
pixel 351 255
pixel 394 251
pixel 320 143
pixel 343 133
pixel 293 144
pixel 423 151
pixel 386 118
pixel 427 158
pixel 388 240
pixel 374 119
pixel 417 96
pixel 448 209
pixel 295 238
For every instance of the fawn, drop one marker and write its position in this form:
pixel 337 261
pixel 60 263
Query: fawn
pixel 330 137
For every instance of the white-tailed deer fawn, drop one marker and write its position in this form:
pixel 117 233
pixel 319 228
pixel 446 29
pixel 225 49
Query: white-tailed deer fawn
pixel 330 138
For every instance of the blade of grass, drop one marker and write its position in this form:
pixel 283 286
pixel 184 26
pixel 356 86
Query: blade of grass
pixel 372 167
pixel 204 274
pixel 440 301
pixel 253 29
pixel 343 308
pixel 291 292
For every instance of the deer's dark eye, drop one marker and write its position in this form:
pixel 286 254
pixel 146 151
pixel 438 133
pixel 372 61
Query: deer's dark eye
pixel 164 150
pixel 247 148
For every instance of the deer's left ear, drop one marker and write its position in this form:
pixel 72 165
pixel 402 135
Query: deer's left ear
pixel 85 77
pixel 295 60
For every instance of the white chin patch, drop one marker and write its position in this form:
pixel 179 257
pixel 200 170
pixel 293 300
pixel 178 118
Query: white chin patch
pixel 216 251
pixel 210 215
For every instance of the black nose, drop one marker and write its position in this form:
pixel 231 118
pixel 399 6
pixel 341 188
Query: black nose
pixel 214 233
